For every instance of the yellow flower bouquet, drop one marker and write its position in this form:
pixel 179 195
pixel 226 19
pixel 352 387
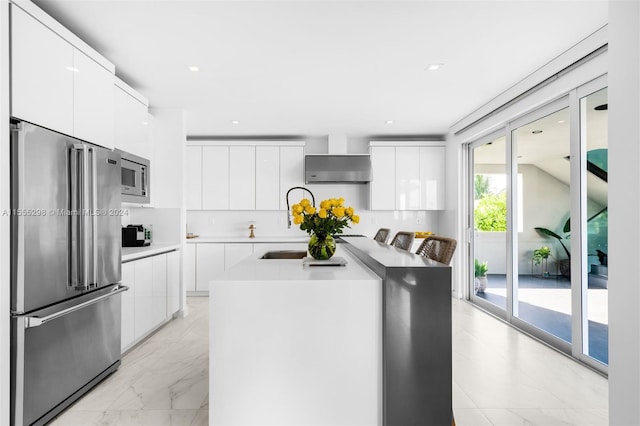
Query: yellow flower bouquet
pixel 323 223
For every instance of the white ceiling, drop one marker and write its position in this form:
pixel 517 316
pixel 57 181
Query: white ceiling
pixel 312 68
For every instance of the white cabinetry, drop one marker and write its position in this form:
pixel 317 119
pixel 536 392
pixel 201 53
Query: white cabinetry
pixel 131 122
pixel 193 177
pixel 56 85
pixel 234 253
pixel 409 176
pixel 242 177
pixel 153 295
pixel 291 173
pixel 143 291
pixel 209 264
pixel 267 177
pixel 215 177
pixel 41 74
pixel 159 290
pixel 93 101
pixel 383 185
pixel 128 306
pixel 173 282
pixel 189 262
pixel 432 160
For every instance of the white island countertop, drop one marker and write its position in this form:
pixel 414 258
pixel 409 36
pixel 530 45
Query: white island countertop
pixel 293 344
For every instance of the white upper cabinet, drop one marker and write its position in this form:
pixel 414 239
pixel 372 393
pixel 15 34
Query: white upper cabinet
pixel 93 101
pixel 131 123
pixel 291 174
pixel 383 185
pixel 242 178
pixel 55 84
pixel 432 160
pixel 215 177
pixel 193 177
pixel 252 176
pixel 407 176
pixel 41 74
pixel 267 177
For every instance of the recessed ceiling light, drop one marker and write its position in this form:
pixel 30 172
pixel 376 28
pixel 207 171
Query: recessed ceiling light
pixel 561 121
pixel 73 69
pixel 235 122
pixel 193 68
pixel 535 132
pixel 602 107
pixel 388 122
pixel 434 67
pixel 145 122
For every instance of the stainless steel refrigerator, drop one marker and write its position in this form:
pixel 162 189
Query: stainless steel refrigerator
pixel 65 270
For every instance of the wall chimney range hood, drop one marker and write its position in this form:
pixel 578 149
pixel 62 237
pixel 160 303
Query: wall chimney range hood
pixel 337 168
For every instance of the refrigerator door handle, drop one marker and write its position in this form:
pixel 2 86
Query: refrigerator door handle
pixel 82 192
pixel 94 215
pixel 33 321
pixel 19 197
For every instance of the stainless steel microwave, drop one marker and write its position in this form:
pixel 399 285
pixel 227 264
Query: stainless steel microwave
pixel 135 178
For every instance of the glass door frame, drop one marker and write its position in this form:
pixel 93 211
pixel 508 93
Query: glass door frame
pixel 490 307
pixel 578 214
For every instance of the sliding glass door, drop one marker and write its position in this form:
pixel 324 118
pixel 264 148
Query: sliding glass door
pixel 538 222
pixel 489 219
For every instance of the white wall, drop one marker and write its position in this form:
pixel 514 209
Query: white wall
pixel 624 212
pixel 5 278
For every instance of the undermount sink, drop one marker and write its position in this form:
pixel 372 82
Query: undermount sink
pixel 284 254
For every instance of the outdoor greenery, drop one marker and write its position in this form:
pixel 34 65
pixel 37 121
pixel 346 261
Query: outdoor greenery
pixel 491 213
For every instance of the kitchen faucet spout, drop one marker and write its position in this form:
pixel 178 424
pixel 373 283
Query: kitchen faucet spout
pixel 313 201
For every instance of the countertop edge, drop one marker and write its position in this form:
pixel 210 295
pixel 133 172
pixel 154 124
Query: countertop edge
pixel 134 253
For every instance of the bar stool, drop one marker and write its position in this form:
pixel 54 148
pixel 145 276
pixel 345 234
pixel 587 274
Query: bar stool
pixel 382 235
pixel 403 240
pixel 438 248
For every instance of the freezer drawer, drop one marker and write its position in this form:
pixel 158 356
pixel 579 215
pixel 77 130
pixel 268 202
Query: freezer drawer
pixel 60 352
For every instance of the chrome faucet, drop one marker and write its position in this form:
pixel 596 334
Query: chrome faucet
pixel 313 202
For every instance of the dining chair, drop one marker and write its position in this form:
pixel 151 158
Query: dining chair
pixel 403 240
pixel 382 236
pixel 438 248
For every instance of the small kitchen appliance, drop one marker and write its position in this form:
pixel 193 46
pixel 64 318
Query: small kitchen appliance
pixel 136 236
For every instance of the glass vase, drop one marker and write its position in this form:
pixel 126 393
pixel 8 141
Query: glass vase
pixel 322 247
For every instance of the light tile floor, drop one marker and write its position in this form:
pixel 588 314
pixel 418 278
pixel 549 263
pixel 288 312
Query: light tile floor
pixel 501 377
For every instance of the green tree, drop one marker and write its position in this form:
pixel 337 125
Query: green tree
pixel 491 213
pixel 481 186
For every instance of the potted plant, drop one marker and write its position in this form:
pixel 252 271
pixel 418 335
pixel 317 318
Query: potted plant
pixel 563 264
pixel 540 256
pixel 481 270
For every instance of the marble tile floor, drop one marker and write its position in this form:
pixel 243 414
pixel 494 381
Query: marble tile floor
pixel 501 377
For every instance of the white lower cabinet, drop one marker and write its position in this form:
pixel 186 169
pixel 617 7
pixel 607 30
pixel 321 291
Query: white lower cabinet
pixel 143 291
pixel 128 306
pixel 209 264
pixel 153 295
pixel 205 261
pixel 173 282
pixel 159 290
pixel 234 253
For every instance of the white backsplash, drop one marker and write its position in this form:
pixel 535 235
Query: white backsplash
pixel 165 222
pixel 274 223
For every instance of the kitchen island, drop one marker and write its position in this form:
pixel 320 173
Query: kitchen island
pixel 294 344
